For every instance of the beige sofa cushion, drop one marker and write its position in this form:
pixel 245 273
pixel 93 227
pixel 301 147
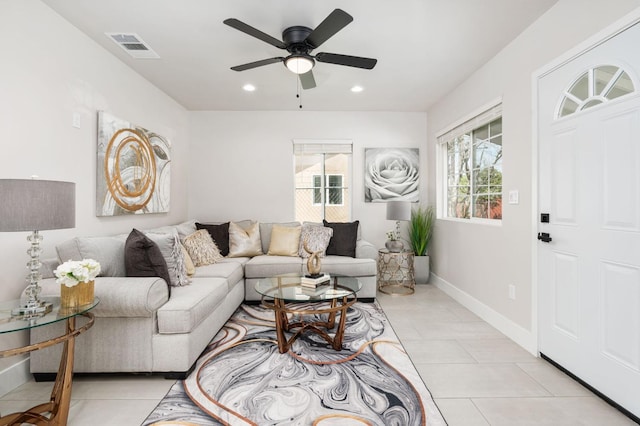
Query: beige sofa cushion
pixel 350 266
pixel 268 266
pixel 108 251
pixel 230 271
pixel 191 304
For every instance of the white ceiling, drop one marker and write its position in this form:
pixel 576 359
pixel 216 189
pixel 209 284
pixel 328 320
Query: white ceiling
pixel 424 48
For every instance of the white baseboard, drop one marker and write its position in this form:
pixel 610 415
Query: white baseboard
pixel 513 331
pixel 14 376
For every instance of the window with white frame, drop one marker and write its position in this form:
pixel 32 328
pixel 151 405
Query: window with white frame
pixel 471 155
pixel 331 188
pixel 594 87
pixel 322 180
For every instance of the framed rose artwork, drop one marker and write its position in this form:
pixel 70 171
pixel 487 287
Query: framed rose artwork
pixel 391 174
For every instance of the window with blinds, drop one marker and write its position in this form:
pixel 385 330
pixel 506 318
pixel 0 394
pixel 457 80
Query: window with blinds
pixel 322 180
pixel 471 153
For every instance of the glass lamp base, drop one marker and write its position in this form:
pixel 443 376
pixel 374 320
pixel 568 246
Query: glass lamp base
pixel 37 309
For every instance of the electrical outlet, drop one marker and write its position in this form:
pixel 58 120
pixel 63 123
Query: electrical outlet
pixel 512 292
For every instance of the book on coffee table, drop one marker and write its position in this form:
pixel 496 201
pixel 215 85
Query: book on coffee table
pixel 320 281
pixel 314 292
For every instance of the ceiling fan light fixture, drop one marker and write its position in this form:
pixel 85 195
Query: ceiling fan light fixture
pixel 299 64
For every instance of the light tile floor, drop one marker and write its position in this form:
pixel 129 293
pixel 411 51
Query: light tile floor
pixel 476 375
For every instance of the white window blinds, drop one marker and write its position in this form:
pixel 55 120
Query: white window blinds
pixel 477 121
pixel 322 147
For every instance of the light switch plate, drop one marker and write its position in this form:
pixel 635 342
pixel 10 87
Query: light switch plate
pixel 514 197
pixel 76 120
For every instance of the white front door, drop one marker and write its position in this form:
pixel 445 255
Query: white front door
pixel 589 185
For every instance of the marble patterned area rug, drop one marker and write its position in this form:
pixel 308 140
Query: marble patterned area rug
pixel 242 379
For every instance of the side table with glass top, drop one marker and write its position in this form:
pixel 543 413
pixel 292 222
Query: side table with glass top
pixel 287 297
pixel 395 272
pixel 58 406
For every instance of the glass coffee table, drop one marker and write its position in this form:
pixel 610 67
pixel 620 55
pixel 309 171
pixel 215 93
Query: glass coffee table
pixel 56 411
pixel 286 296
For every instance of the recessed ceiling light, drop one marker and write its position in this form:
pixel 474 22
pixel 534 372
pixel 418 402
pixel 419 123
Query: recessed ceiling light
pixel 249 87
pixel 357 89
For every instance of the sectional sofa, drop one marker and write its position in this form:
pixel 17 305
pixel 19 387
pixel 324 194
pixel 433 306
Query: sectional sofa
pixel 144 325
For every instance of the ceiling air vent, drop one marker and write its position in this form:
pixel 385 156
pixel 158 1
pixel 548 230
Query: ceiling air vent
pixel 133 45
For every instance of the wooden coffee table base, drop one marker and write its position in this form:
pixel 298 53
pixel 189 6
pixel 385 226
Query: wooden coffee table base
pixel 300 326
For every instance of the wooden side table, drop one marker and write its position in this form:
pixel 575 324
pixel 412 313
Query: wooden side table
pixel 395 272
pixel 56 411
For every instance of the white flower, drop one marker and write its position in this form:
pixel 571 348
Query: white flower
pixel 72 272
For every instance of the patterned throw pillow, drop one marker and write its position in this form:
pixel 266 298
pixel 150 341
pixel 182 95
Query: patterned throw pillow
pixel 201 248
pixel 244 242
pixel 317 238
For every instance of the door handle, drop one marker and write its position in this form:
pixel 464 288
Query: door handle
pixel 544 237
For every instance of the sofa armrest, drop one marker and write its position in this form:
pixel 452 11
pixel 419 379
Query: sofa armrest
pixel 121 296
pixel 366 250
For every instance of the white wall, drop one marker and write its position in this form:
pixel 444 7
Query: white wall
pixel 241 163
pixel 50 71
pixel 494 257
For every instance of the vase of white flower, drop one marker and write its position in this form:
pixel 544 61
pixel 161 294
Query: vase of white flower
pixel 76 279
pixel 393 243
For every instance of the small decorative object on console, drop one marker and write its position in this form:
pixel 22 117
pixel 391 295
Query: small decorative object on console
pixel 76 282
pixel 314 263
pixel 393 243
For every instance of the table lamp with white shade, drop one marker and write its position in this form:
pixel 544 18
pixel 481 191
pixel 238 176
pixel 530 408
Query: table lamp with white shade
pixel 35 205
pixel 398 210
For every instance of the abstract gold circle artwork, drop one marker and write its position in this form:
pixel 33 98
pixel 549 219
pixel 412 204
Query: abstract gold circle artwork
pixel 133 169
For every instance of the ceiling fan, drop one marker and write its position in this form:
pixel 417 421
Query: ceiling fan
pixel 299 41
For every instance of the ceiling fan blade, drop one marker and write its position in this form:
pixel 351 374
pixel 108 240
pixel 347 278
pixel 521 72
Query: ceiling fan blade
pixel 307 81
pixel 248 29
pixel 337 20
pixel 349 61
pixel 257 64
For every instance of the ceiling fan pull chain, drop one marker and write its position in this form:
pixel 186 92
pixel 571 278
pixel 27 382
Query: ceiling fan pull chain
pixel 298 93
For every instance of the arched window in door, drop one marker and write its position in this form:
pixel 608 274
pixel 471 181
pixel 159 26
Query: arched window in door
pixel 594 87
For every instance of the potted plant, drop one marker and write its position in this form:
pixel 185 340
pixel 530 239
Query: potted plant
pixel 420 232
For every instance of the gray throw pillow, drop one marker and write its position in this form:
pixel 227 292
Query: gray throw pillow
pixel 169 245
pixel 143 258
